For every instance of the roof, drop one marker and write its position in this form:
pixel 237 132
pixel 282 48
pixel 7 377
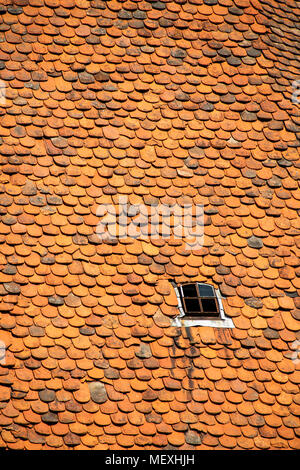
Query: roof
pixel 161 102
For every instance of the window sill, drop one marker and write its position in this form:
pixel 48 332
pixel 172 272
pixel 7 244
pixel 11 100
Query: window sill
pixel 218 323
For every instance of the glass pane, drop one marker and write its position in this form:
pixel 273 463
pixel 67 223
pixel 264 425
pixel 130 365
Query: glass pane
pixel 206 291
pixel 192 306
pixel 209 307
pixel 189 290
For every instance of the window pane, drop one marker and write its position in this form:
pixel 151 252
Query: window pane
pixel 192 306
pixel 209 307
pixel 206 291
pixel 189 290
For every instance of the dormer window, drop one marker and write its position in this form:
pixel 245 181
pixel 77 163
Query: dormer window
pixel 199 300
pixel 200 304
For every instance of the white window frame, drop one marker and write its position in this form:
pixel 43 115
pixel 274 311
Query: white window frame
pixel 180 320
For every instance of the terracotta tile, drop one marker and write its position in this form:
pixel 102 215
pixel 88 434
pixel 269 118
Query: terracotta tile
pixel 176 439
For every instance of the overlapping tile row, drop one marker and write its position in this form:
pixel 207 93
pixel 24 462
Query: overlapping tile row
pixel 162 102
